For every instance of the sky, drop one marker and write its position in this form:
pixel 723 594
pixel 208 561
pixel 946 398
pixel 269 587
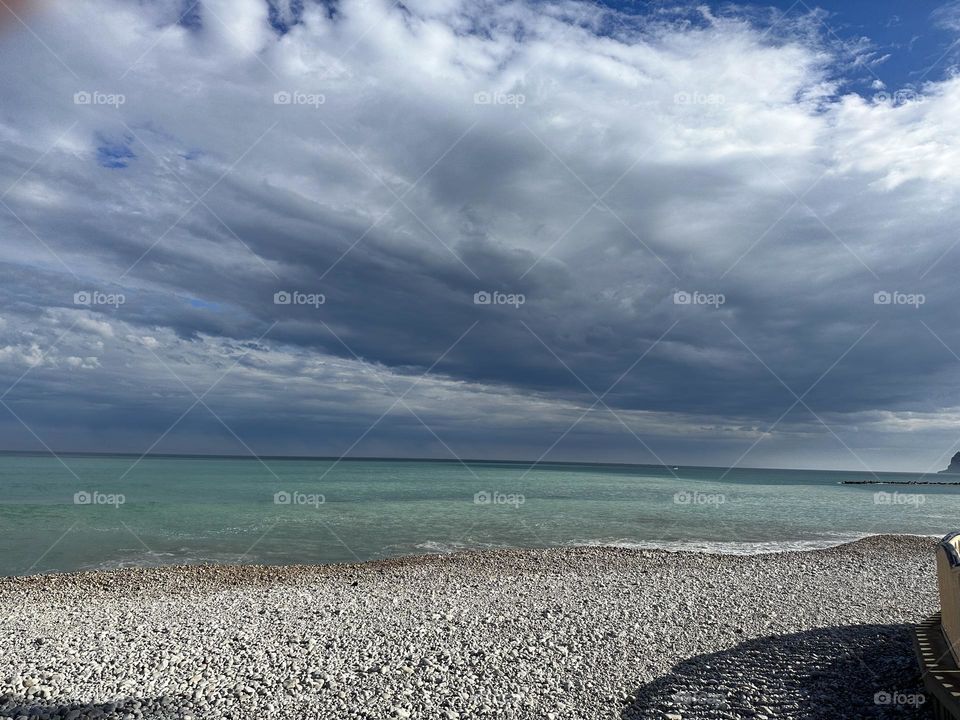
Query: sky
pixel 705 233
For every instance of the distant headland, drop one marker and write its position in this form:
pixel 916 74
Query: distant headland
pixel 954 466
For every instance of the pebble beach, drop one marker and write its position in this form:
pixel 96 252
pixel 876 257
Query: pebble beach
pixel 578 633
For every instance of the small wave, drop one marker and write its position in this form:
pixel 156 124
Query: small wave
pixel 437 547
pixel 151 560
pixel 432 546
pixel 714 547
pixel 719 547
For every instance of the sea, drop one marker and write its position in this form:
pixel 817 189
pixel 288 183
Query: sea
pixel 87 512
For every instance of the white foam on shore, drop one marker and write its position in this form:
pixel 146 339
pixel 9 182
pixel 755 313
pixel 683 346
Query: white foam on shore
pixel 435 547
pixel 718 547
pixel 714 547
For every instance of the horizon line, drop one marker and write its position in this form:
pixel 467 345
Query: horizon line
pixel 462 461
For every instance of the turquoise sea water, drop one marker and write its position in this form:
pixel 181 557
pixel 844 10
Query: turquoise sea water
pixel 164 510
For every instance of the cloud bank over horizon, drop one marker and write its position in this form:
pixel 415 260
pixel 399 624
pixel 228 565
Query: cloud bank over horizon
pixel 505 229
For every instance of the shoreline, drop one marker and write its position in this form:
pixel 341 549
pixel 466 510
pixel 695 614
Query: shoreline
pixel 255 570
pixel 582 633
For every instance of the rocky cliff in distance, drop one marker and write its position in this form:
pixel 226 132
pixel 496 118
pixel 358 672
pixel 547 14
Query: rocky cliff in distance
pixel 954 465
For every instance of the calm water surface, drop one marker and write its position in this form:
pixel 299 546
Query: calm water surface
pixel 95 512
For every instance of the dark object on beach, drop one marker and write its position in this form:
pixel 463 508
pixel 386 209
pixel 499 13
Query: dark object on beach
pixel 937 667
pixel 937 639
pixel 954 465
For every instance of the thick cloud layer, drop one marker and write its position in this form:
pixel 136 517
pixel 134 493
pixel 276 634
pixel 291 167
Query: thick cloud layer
pixel 705 216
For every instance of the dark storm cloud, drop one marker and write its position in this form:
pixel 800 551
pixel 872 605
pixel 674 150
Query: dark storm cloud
pixel 698 195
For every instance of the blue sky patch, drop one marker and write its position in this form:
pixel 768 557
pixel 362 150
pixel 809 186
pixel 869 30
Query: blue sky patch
pixel 204 304
pixel 114 154
pixel 191 15
pixel 900 43
pixel 284 14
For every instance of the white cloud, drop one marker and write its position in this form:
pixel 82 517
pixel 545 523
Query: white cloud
pixel 87 363
pixel 30 355
pixel 89 324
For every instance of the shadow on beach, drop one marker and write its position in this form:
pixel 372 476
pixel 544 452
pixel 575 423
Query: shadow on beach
pixel 162 708
pixel 854 671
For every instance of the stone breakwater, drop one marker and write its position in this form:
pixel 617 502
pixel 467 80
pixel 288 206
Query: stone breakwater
pixel 563 633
